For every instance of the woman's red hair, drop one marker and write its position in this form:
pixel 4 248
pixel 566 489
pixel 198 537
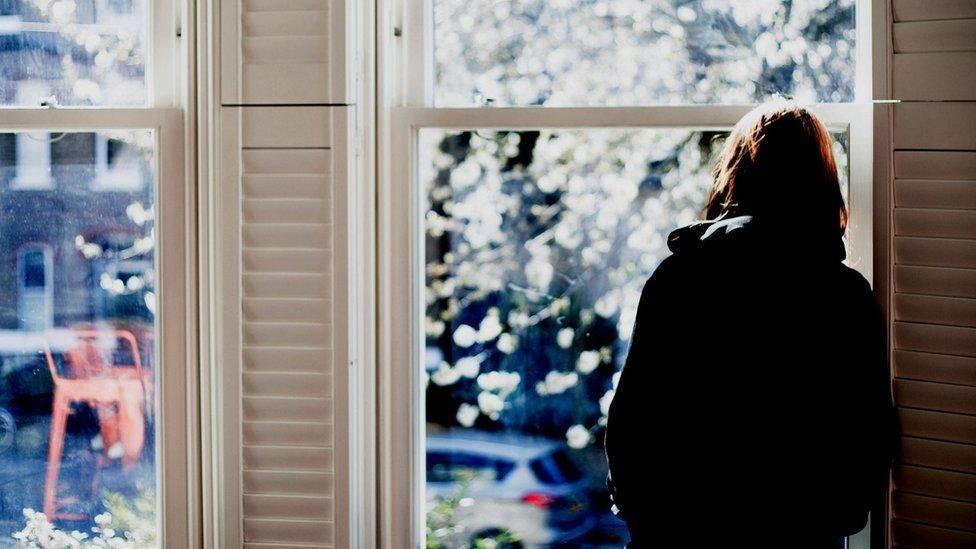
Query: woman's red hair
pixel 778 165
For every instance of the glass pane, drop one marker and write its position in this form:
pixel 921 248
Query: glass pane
pixel 77 344
pixel 640 52
pixel 73 52
pixel 537 246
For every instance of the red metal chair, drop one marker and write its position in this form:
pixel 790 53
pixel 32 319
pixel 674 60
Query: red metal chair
pixel 116 391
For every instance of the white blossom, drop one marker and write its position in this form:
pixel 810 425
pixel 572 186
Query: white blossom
pixel 468 366
pixel 564 337
pixel 507 343
pixel 587 361
pixel 465 336
pixel 467 414
pixel 578 437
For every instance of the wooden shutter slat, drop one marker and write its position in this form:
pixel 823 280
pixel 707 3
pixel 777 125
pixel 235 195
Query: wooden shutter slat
pixel 283 409
pixel 937 125
pixel 935 165
pixel 281 334
pixel 285 49
pixel 283 383
pixel 287 433
pixel 934 482
pixel 287 235
pixel 935 252
pixel 935 396
pixel 950 456
pixel 949 427
pixel 285 186
pixel 909 534
pixel 951 311
pixel 307 163
pixel 935 339
pixel 281 5
pixel 935 511
pixel 286 285
pixel 273 82
pixel 277 530
pixel 934 36
pixel 308 359
pixel 284 210
pixel 944 76
pixel 934 193
pixel 284 23
pixel 280 260
pixel 282 309
pixel 935 281
pixel 934 367
pixel 286 127
pixel 296 507
pixel 921 10
pixel 935 223
pixel 292 457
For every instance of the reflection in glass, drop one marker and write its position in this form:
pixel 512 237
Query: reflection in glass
pixel 641 52
pixel 537 246
pixel 77 368
pixel 73 52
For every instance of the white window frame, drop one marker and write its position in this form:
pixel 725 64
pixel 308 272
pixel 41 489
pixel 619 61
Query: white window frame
pixel 405 106
pixel 178 513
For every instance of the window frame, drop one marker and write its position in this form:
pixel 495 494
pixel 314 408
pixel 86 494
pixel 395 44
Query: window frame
pixel 168 62
pixel 405 106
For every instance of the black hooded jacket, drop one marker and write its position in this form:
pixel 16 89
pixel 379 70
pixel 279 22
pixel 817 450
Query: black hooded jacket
pixel 754 405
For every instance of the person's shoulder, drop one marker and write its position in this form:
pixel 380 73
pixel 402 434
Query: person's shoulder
pixel 854 280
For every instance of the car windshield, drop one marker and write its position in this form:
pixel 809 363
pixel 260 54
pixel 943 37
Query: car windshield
pixel 464 467
pixel 555 468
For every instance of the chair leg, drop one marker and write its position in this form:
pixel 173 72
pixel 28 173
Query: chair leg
pixel 59 420
pixel 131 422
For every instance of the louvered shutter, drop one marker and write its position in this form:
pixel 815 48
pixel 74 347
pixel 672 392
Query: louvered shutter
pixel 284 353
pixel 933 271
pixel 284 52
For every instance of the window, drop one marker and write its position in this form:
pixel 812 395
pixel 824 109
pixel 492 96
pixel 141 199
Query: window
pixel 33 171
pixel 92 252
pixel 540 153
pixel 35 310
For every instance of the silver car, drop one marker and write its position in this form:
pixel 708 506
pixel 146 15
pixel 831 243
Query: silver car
pixel 508 490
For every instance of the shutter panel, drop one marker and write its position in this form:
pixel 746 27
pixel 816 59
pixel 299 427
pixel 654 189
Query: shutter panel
pixel 282 196
pixel 277 52
pixel 933 272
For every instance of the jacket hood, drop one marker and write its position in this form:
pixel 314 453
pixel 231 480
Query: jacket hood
pixel 743 230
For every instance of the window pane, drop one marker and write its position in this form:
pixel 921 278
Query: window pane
pixel 537 246
pixel 73 52
pixel 77 345
pixel 640 52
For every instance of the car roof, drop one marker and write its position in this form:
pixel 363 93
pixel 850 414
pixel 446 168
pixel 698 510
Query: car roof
pixel 503 445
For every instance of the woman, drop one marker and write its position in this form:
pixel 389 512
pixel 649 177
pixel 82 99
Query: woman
pixel 754 405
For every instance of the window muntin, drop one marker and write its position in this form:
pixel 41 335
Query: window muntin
pixel 633 52
pixel 84 52
pixel 98 257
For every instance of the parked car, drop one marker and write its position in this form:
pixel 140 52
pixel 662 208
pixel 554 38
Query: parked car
pixel 522 489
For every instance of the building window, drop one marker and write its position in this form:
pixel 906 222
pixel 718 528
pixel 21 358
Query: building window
pixel 33 149
pixel 35 291
pixel 542 152
pixel 117 164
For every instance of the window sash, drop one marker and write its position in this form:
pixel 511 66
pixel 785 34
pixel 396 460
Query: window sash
pixel 173 400
pixel 412 56
pixel 407 91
